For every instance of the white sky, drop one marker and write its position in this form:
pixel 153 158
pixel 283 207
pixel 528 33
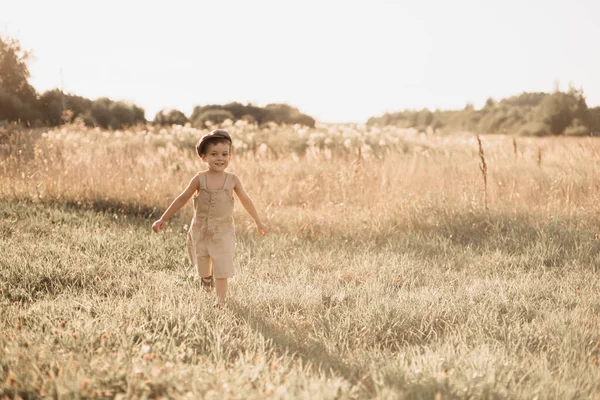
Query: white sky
pixel 335 60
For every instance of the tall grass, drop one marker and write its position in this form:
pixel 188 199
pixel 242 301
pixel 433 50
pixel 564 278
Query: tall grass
pixel 399 169
pixel 383 277
pixel 483 168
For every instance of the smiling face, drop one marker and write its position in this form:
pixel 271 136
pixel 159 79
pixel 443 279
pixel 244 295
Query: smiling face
pixel 217 156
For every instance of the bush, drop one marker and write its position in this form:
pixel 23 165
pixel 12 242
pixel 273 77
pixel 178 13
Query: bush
pixel 489 103
pixel 106 114
pixel 239 111
pixel 53 104
pixel 139 115
pixel 199 110
pixel 121 115
pixel 100 113
pixel 424 118
pixel 555 112
pixel 51 107
pixel 534 129
pixel 249 118
pixel 285 114
pixel 171 117
pixel 494 121
pixel 278 113
pixel 214 116
pixel 594 120
pixel 560 109
pixel 13 108
pixel 525 99
pixel 303 119
pixel 577 129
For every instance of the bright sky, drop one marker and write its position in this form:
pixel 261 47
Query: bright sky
pixel 337 61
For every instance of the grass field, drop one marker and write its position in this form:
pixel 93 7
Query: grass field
pixel 384 275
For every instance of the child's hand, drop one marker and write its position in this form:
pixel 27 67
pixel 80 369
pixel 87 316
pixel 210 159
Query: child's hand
pixel 157 226
pixel 262 228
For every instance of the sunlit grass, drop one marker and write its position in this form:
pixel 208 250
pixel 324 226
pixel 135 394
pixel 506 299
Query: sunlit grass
pixel 384 275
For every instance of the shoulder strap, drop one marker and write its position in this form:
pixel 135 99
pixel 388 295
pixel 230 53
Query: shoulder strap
pixel 202 180
pixel 227 183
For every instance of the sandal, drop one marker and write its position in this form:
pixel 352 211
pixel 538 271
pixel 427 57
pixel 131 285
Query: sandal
pixel 207 283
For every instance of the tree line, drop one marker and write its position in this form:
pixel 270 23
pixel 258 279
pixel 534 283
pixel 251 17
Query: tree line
pixel 216 113
pixel 532 114
pixel 527 114
pixel 20 102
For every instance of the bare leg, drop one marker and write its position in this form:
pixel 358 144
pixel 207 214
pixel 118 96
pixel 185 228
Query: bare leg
pixel 221 287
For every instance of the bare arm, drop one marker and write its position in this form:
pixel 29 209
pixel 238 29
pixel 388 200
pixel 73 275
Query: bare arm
pixel 248 205
pixel 176 205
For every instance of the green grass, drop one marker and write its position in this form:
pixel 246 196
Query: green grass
pixel 468 305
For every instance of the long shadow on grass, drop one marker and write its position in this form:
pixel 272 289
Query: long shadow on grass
pixel 518 234
pixel 108 206
pixel 316 354
pixel 545 243
pixel 312 352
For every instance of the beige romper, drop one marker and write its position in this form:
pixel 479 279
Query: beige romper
pixel 211 237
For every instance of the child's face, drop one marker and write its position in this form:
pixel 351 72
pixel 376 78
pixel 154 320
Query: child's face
pixel 217 156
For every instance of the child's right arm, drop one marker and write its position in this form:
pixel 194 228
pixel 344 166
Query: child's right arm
pixel 179 202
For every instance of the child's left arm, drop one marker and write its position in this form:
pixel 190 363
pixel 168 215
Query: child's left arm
pixel 246 201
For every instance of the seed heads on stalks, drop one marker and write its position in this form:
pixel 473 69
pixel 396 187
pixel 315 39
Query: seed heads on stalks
pixel 483 168
pixel 357 167
pixel 357 162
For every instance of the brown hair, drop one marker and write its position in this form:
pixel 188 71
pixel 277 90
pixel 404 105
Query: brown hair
pixel 215 136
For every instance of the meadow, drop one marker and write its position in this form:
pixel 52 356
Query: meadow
pixel 392 269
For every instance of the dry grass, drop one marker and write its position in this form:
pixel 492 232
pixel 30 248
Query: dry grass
pixel 384 275
pixel 483 168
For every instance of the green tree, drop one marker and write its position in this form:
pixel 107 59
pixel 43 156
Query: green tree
pixel 51 106
pixel 424 118
pixel 490 103
pixel 53 103
pixel 216 116
pixel 285 114
pixel 170 117
pixel 18 99
pixel 109 114
pixel 559 110
pixel 121 115
pixel 100 112
pixel 278 113
pixel 594 116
